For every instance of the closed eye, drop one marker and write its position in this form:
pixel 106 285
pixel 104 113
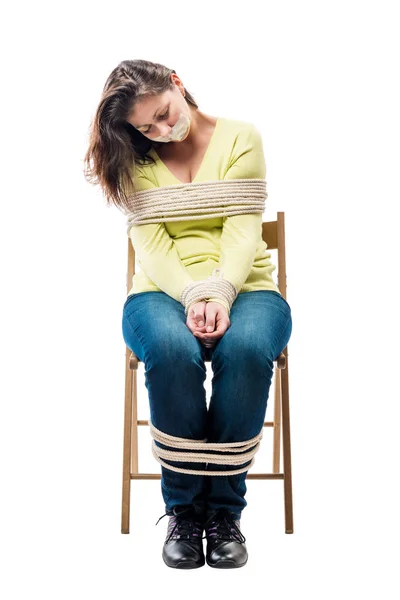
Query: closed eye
pixel 164 116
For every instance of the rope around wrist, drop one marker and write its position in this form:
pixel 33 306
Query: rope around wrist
pixel 215 286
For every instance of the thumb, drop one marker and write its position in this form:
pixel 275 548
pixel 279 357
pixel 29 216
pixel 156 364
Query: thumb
pixel 210 323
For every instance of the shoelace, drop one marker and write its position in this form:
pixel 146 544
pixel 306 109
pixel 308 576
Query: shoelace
pixel 223 526
pixel 182 524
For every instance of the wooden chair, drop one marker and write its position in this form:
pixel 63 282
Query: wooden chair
pixel 273 234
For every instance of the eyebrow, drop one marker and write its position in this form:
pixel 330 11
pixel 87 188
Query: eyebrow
pixel 148 124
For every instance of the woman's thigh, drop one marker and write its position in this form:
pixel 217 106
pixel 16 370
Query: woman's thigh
pixel 261 325
pixel 242 364
pixel 154 327
pixel 153 324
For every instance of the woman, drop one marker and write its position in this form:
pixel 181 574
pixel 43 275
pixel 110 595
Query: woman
pixel 204 292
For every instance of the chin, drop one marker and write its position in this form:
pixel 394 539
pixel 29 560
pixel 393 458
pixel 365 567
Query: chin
pixel 183 139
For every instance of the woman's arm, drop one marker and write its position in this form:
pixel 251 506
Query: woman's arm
pixel 241 234
pixel 159 258
pixel 156 252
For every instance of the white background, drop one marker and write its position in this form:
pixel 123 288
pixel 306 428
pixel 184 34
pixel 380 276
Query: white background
pixel 320 80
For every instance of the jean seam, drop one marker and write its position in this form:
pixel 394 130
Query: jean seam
pixel 138 337
pixel 280 334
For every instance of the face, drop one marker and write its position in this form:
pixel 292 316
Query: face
pixel 156 116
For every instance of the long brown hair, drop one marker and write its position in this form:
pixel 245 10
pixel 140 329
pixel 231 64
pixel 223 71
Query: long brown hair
pixel 115 146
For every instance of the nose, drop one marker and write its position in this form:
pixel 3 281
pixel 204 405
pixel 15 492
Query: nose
pixel 164 129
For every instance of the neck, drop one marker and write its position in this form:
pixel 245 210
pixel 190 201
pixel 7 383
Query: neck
pixel 198 121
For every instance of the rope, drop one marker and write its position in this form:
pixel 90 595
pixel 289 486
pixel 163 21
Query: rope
pixel 208 199
pixel 212 287
pixel 188 444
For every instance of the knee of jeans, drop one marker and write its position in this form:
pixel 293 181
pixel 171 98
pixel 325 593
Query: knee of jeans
pixel 244 355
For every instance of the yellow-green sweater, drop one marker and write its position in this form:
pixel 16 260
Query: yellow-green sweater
pixel 172 255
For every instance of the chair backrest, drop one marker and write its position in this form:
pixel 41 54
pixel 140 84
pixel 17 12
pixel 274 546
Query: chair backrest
pixel 273 233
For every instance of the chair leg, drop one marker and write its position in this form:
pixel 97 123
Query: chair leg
pixel 134 428
pixel 126 475
pixel 277 423
pixel 287 465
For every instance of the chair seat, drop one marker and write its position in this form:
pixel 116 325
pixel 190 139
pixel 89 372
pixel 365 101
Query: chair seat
pixel 134 361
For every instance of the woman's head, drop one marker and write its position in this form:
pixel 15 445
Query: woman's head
pixel 163 117
pixel 143 105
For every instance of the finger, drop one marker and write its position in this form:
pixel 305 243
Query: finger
pixel 213 334
pixel 210 324
pixel 210 318
pixel 208 343
pixel 198 314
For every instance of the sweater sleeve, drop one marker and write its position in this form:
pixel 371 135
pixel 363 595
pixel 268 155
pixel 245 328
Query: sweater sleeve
pixel 156 251
pixel 241 234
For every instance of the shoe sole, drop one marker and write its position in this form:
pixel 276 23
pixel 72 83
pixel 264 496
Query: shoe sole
pixel 185 564
pixel 226 564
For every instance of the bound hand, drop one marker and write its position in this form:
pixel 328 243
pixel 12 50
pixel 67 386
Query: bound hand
pixel 214 316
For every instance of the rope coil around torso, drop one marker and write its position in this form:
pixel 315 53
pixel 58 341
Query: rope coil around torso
pixel 203 200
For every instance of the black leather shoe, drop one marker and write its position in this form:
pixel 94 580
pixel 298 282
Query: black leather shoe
pixel 183 546
pixel 226 547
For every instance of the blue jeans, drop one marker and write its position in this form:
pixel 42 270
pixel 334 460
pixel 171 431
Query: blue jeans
pixel 154 328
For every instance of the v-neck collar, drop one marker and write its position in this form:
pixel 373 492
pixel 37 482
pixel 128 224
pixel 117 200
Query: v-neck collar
pixel 210 144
